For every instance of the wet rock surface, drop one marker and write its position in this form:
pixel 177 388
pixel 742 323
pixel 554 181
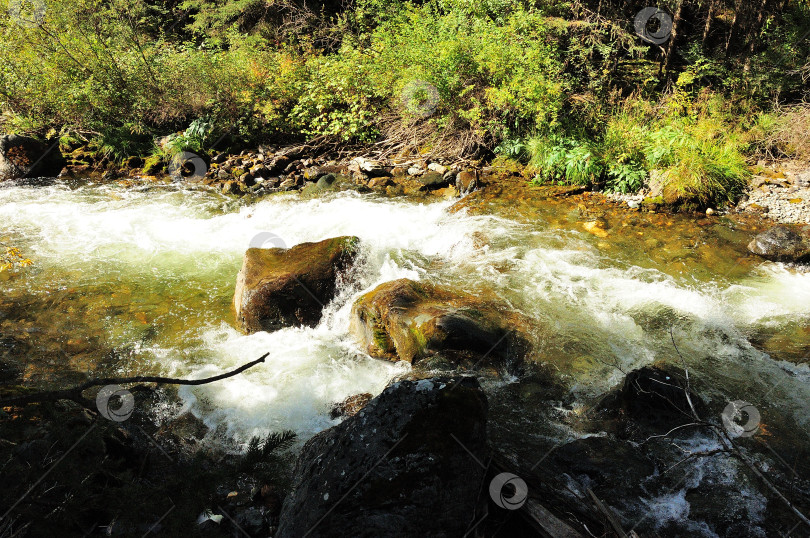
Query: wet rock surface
pixel 350 406
pixel 280 287
pixel 410 321
pixel 783 244
pixel 395 468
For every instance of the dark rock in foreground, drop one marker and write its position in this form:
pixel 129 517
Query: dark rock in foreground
pixel 280 287
pixel 394 469
pixel 22 156
pixel 407 320
pixel 782 244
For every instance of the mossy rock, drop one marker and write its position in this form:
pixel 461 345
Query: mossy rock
pixel 414 321
pixel 281 287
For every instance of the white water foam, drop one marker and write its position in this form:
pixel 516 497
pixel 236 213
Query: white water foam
pixel 576 295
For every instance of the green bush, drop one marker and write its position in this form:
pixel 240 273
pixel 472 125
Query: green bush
pixel 118 143
pixel 340 97
pixel 696 151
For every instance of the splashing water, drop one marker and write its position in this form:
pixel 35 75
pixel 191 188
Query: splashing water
pixel 141 280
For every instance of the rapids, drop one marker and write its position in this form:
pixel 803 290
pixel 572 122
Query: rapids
pixel 131 280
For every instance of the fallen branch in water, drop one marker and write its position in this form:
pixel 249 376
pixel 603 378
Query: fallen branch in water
pixel 729 447
pixel 75 394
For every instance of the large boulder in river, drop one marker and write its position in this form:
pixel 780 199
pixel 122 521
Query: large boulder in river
pixel 655 399
pixel 279 287
pixel 403 466
pixel 410 321
pixel 782 244
pixel 22 156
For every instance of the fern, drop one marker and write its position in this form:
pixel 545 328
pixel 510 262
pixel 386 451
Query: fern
pixel 260 450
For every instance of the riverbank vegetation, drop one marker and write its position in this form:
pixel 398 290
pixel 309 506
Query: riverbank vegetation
pixel 564 86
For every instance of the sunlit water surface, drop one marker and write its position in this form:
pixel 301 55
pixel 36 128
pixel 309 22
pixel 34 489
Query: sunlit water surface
pixel 137 280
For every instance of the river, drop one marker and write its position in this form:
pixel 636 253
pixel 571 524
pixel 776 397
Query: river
pixel 132 280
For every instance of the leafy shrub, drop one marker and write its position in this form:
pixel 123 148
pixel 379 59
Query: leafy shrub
pixel 485 74
pixel 626 177
pixel 340 98
pixel 192 139
pixel 118 143
pixel 565 160
pixel 692 145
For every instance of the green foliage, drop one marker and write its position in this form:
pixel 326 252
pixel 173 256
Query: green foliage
pixel 339 98
pixel 485 74
pixel 192 139
pixel 513 148
pixel 626 177
pixel 261 450
pixel 497 72
pixel 118 143
pixel 692 146
pixel 565 160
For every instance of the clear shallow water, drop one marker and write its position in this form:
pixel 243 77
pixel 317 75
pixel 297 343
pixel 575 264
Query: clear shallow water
pixel 141 280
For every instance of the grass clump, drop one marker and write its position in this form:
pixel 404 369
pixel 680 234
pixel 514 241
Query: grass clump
pixel 688 152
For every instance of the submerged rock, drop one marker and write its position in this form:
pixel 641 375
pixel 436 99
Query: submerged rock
pixel 783 244
pixel 280 287
pixel 407 320
pixel 22 156
pixel 400 467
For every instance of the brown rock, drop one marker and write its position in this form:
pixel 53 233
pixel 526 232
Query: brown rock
pixel 350 406
pixel 410 321
pixel 782 243
pixel 280 287
pixel 22 156
pixel 466 181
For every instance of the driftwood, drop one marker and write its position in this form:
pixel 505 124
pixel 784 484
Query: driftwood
pixel 546 512
pixel 75 394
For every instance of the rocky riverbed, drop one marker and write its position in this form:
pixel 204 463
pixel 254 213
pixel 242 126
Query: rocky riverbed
pixel 781 192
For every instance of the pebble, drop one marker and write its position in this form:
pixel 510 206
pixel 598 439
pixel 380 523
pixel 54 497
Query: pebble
pixel 787 202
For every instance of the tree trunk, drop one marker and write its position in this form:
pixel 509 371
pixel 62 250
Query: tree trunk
pixel 707 27
pixel 676 24
pixel 753 35
pixel 733 27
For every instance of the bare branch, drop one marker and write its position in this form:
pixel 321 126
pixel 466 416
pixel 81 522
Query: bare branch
pixel 75 393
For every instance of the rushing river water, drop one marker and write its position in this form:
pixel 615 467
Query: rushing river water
pixel 130 280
